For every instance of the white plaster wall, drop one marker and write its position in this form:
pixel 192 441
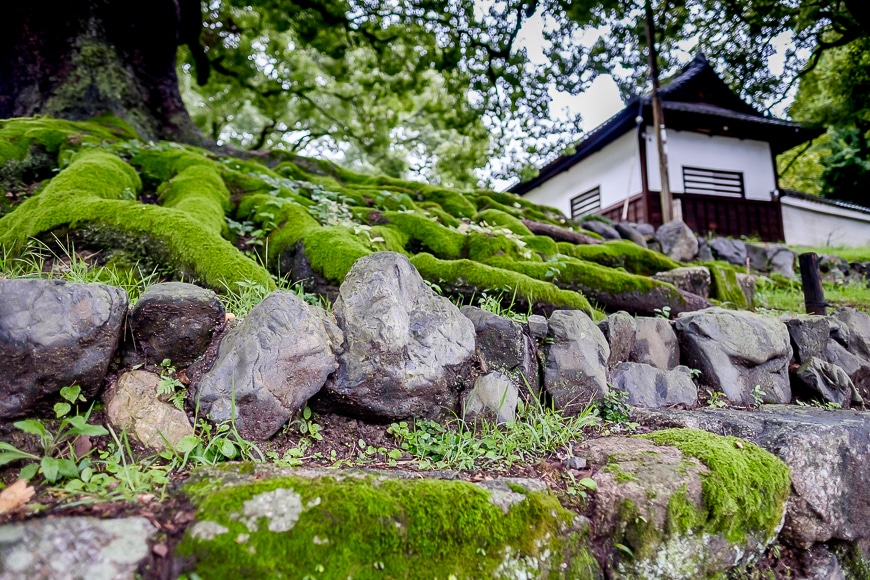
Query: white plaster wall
pixel 712 152
pixel 615 169
pixel 807 223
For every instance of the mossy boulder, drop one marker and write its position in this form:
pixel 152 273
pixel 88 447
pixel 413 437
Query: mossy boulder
pixel 341 524
pixel 686 504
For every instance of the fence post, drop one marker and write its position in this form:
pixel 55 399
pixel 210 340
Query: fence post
pixel 811 277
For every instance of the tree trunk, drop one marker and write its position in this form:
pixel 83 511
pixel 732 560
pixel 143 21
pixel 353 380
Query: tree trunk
pixel 76 59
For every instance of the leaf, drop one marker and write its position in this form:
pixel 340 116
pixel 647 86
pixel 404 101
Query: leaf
pixel 8 454
pixel 395 454
pixel 227 448
pixel 187 444
pixel 28 471
pixel 89 430
pixel 67 468
pixel 50 467
pixel 15 496
pixel 71 393
pixel 306 413
pixel 61 409
pixel 588 483
pixel 32 426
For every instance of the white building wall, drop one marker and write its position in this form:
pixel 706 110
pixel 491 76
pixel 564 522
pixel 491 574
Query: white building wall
pixel 807 223
pixel 684 148
pixel 615 169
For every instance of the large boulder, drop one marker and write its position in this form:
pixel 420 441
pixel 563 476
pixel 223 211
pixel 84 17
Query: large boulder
pixel 857 368
pixel 174 321
pixel 576 370
pixel 74 547
pixel 504 346
pixel 858 324
pixel 404 343
pixel 736 352
pixel 655 343
pixel 627 231
pixel 771 258
pixel 269 365
pixel 828 381
pixel 686 504
pixel 132 404
pixel 825 450
pixel 678 241
pixel 604 230
pixel 652 387
pixel 54 334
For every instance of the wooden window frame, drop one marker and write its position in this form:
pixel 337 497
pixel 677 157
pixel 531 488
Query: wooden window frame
pixel 721 182
pixel 582 202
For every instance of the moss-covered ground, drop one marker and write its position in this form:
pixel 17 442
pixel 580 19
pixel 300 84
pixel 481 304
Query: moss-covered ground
pixel 224 221
pixel 377 527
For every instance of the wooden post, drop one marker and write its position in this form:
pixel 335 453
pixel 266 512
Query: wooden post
pixel 811 277
pixel 658 114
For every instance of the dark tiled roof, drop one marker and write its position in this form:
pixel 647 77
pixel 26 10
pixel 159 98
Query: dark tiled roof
pixel 696 92
pixel 825 201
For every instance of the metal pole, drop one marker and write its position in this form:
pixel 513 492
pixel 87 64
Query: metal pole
pixel 658 114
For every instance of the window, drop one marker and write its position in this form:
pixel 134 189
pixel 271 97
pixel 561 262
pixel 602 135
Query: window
pixel 713 182
pixel 586 203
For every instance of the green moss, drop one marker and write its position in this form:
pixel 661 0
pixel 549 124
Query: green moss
pixel 365 528
pixel 484 246
pixel 638 530
pixel 333 250
pixel 200 192
pixel 620 475
pixel 162 162
pixel 395 240
pixel 432 236
pixel 724 286
pixel 495 217
pixel 621 254
pixel 542 245
pixel 450 201
pixel 744 492
pixel 19 136
pixel 434 209
pixel 480 277
pixel 93 196
pixel 683 514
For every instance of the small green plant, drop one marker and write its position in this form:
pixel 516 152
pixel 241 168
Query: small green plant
pixel 663 312
pixel 494 304
pixel 614 407
pixel 307 425
pixel 58 460
pixel 169 388
pixel 757 395
pixel 716 399
pixel 579 487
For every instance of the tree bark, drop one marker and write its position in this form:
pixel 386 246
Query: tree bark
pixel 77 59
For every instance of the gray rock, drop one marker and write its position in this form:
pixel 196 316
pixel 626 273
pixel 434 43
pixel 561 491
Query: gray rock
pixel 655 343
pixel 737 351
pixel 636 485
pixel 268 366
pixel 858 323
pixel 771 258
pixel 650 387
pixel 618 329
pixel 576 370
pixel 826 451
pixel 574 463
pixel 503 346
pixel 646 230
pixel 822 564
pixel 705 254
pixel 732 251
pixel 694 279
pixel 856 367
pixel 678 241
pixel 71 548
pixel 826 380
pixel 54 334
pixel 782 261
pixel 747 286
pixel 494 398
pixel 602 229
pixel 404 343
pixel 627 232
pixel 132 404
pixel 538 325
pixel 809 336
pixel 174 320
